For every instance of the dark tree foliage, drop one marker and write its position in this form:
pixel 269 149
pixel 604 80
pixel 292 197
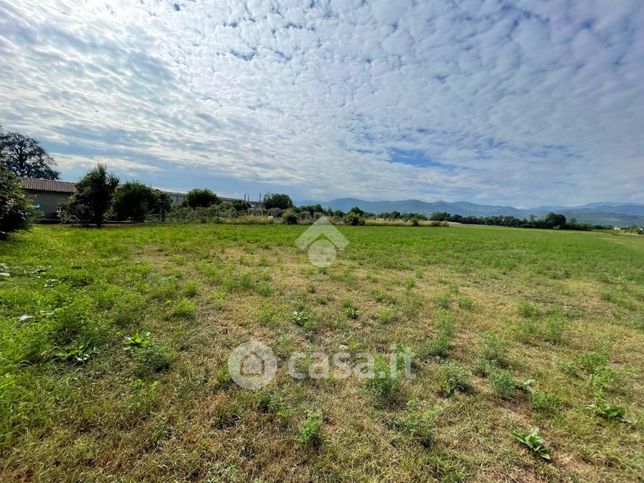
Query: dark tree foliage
pixel 25 157
pixel 133 201
pixel 93 197
pixel 201 198
pixel 164 204
pixel 15 208
pixel 277 200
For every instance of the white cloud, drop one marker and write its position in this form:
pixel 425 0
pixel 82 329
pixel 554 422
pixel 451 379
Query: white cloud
pixel 531 104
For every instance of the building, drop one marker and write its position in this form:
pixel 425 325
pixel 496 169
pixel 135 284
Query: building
pixel 48 194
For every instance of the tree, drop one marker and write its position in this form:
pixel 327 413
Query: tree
pixel 164 204
pixel 93 197
pixel 134 201
pixel 554 220
pixel 277 200
pixel 198 197
pixel 15 208
pixel 25 157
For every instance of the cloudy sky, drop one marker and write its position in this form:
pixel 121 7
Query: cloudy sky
pixel 518 102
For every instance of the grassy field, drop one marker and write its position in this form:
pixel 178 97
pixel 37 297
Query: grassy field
pixel 114 347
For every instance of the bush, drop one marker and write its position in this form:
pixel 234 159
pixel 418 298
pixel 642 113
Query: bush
pixel 16 211
pixel 200 198
pixel 93 197
pixel 133 201
pixel 277 200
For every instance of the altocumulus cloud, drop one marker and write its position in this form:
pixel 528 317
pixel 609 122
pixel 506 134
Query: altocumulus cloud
pixel 523 102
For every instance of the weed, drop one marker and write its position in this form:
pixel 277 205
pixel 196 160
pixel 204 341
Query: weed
pixel 453 378
pixel 153 358
pixel 385 381
pixel 78 353
pixel 140 339
pixel 310 430
pixel 190 289
pixel 545 403
pixel 554 329
pixel 386 315
pixel 443 301
pixel 350 310
pixel 609 412
pixel 465 303
pixel 494 350
pixel 528 310
pixel 184 308
pixel 503 384
pixel 418 424
pixel 534 442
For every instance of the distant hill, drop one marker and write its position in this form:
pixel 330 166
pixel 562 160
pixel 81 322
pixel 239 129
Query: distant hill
pixel 617 214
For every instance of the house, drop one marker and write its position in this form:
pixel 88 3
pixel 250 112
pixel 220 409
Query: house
pixel 48 195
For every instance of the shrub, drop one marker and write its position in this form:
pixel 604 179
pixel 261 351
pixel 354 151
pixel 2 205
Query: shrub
pixel 16 211
pixel 200 198
pixel 454 378
pixel 133 201
pixel 277 200
pixel 290 217
pixel 92 198
pixel 310 429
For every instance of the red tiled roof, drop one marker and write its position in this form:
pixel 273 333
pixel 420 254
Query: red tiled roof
pixel 34 184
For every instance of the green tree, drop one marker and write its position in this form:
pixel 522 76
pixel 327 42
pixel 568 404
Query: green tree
pixel 277 200
pixel 198 197
pixel 24 157
pixel 164 204
pixel 554 220
pixel 15 208
pixel 93 197
pixel 134 200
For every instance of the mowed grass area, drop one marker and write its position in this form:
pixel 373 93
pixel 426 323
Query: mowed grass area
pixel 114 344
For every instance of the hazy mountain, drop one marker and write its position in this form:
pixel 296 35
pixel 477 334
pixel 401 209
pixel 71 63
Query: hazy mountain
pixel 618 214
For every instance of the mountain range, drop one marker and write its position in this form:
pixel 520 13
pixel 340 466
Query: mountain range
pixel 616 214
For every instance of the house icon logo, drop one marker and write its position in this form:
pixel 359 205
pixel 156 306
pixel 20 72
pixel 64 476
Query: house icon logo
pixel 252 365
pixel 322 240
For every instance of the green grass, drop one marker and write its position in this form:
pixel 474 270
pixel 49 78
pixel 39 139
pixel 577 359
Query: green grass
pixel 114 347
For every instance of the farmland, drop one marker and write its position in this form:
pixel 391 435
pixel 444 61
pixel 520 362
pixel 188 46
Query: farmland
pixel 114 347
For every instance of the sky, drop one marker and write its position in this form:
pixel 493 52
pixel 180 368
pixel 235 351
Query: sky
pixel 500 102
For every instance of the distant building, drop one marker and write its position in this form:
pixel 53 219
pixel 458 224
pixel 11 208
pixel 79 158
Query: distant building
pixel 48 194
